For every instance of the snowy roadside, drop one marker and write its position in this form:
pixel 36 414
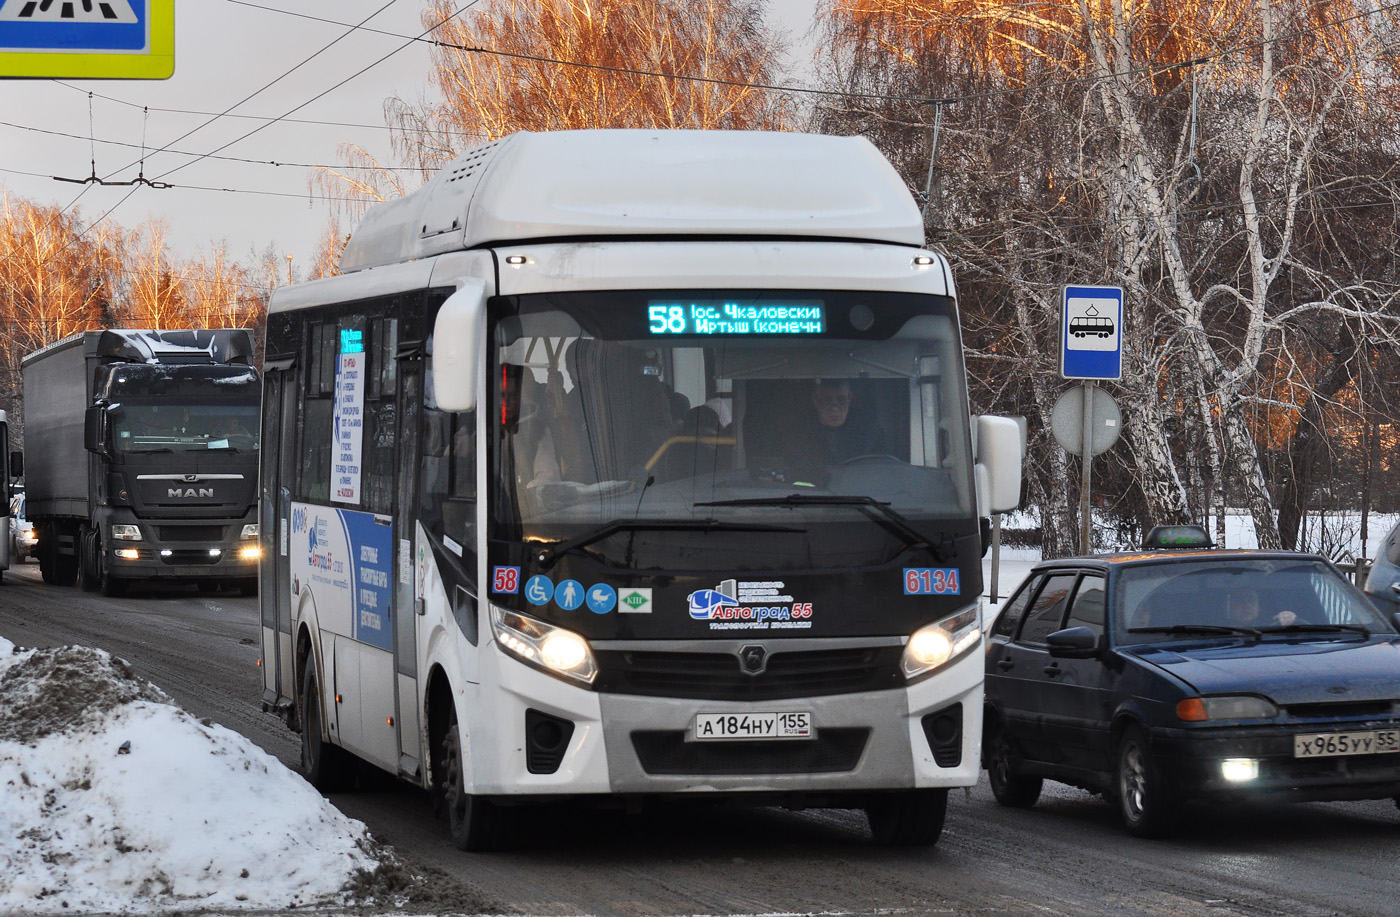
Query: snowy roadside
pixel 117 801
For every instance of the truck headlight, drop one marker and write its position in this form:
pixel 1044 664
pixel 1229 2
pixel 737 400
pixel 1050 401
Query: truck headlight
pixel 554 649
pixel 932 646
pixel 126 533
pixel 250 531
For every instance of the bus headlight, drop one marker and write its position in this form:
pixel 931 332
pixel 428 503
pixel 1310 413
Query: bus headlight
pixel 932 646
pixel 554 649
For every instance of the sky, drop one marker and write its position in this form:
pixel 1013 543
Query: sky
pixel 227 51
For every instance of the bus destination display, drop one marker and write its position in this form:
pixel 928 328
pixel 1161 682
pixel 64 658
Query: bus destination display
pixel 717 316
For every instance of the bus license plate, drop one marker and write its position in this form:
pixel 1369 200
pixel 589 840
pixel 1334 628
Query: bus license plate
pixel 733 726
pixel 1326 745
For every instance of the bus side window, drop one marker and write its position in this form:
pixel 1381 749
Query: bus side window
pixel 447 504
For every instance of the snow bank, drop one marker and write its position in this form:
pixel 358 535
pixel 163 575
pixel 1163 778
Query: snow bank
pixel 115 800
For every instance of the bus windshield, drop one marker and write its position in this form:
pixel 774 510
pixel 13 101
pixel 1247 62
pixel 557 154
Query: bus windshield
pixel 659 418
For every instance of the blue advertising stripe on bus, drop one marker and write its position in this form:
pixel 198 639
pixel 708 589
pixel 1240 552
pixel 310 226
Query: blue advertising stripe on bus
pixel 107 25
pixel 371 562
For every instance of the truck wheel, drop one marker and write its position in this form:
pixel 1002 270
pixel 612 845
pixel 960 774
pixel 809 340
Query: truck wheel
pixel 88 578
pixel 913 818
pixel 65 570
pixel 327 767
pixel 45 555
pixel 110 585
pixel 474 822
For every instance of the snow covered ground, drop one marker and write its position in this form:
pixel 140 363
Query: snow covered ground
pixel 115 800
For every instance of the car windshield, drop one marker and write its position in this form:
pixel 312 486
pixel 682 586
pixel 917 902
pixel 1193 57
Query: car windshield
pixel 790 414
pixel 1230 597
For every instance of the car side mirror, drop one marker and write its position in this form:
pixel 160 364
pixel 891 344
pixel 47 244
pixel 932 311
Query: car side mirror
pixel 1073 642
pixel 1396 619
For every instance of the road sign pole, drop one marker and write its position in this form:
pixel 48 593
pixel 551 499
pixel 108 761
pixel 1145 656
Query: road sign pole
pixel 1086 456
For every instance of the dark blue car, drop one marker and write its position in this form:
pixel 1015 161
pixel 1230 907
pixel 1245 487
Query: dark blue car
pixel 1170 677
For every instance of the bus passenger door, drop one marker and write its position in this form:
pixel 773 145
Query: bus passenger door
pixel 406 604
pixel 274 515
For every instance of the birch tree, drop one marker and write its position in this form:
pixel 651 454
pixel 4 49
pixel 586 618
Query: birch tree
pixel 1186 152
pixel 540 65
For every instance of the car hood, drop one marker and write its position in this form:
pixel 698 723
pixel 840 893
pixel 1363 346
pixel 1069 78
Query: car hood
pixel 1286 672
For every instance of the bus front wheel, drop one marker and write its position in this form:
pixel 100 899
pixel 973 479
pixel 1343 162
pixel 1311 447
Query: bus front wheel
pixel 475 822
pixel 908 819
pixel 327 767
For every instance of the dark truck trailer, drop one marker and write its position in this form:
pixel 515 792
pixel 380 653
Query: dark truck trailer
pixel 142 455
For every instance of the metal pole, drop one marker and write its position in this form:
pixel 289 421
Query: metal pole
pixel 1086 454
pixel 996 554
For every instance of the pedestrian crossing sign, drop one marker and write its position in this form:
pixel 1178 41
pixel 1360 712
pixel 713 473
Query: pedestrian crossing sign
pixel 87 39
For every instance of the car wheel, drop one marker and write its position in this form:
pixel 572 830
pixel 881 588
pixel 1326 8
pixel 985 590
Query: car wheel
pixel 327 767
pixel 908 819
pixel 474 822
pixel 1144 803
pixel 1013 790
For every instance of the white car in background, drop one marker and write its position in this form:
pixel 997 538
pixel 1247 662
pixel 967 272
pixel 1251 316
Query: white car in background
pixel 22 535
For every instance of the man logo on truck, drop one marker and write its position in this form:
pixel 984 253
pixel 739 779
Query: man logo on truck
pixel 190 492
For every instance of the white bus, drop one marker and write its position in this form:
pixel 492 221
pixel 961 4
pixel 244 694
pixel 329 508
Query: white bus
pixel 633 463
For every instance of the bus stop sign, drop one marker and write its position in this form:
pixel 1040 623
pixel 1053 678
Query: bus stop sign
pixel 1091 333
pixel 87 39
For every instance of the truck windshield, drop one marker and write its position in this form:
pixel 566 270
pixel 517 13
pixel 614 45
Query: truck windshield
pixel 833 425
pixel 167 427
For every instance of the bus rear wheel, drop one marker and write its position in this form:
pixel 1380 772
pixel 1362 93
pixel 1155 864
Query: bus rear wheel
pixel 474 822
pixel 913 818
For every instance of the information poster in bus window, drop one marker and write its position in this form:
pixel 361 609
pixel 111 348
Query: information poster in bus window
pixel 347 443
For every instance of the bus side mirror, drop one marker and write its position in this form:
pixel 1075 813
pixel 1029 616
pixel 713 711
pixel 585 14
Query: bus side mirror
pixel 999 449
pixel 95 429
pixel 16 464
pixel 457 336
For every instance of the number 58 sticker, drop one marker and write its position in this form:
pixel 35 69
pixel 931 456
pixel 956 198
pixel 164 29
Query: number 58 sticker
pixel 931 581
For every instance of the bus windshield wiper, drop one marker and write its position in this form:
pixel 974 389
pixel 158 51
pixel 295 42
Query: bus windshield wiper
pixel 880 511
pixel 547 555
pixel 1206 629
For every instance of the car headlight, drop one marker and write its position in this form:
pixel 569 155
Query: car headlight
pixel 250 531
pixel 1225 707
pixel 932 646
pixel 124 532
pixel 554 649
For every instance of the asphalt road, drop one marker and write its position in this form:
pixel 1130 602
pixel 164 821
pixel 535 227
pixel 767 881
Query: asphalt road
pixel 1066 856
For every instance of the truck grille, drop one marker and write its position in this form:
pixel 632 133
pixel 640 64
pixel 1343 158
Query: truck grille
pixel 718 676
pixel 191 532
pixel 832 751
